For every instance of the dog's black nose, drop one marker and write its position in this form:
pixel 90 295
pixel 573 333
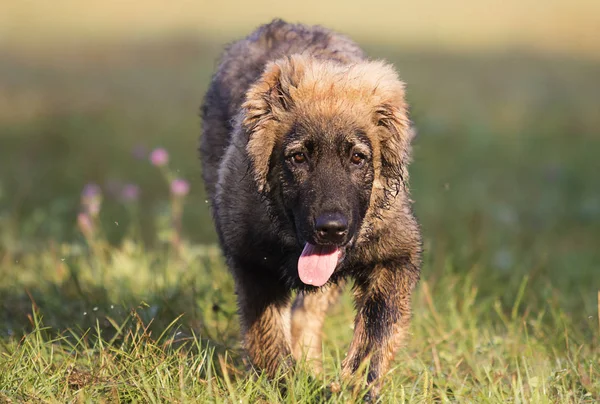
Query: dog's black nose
pixel 331 228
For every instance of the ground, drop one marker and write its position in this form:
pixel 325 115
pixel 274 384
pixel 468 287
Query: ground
pixel 135 307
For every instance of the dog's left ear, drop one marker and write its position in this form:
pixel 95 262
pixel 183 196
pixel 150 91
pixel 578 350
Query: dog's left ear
pixel 267 105
pixel 396 135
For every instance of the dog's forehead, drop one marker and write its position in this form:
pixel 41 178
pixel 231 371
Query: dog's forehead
pixel 327 123
pixel 334 106
pixel 334 86
pixel 328 130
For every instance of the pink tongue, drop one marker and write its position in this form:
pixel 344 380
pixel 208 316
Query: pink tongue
pixel 317 263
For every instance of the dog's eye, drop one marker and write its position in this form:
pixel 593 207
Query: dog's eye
pixel 299 158
pixel 357 159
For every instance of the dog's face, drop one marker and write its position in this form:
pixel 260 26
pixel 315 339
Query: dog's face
pixel 327 177
pixel 332 141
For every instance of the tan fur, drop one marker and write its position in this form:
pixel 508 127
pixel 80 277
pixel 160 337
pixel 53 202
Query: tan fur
pixel 308 316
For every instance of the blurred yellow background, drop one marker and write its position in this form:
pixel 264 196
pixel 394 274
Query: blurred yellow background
pixel 557 26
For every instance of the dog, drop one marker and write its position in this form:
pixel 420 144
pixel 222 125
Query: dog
pixel 305 151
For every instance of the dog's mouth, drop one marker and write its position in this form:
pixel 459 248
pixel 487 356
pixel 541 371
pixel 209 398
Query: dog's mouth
pixel 318 262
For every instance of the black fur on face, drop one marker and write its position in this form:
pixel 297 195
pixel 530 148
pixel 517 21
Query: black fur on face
pixel 326 182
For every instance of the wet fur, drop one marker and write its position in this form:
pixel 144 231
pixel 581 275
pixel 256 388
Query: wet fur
pixel 287 80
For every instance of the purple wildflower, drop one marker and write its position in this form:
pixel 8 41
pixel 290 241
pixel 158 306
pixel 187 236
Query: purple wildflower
pixel 91 198
pixel 159 157
pixel 91 191
pixel 130 193
pixel 180 187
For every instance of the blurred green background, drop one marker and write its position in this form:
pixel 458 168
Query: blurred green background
pixel 505 96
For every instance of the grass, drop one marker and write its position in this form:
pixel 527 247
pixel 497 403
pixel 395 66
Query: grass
pixel 132 307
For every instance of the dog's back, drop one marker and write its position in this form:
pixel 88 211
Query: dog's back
pixel 242 64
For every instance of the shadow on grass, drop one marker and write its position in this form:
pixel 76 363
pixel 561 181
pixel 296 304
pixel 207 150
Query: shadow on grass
pixel 166 297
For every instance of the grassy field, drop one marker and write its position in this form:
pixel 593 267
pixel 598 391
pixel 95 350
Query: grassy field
pixel 133 307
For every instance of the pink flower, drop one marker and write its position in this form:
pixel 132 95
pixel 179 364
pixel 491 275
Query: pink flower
pixel 93 207
pixel 159 157
pixel 180 187
pixel 130 193
pixel 85 224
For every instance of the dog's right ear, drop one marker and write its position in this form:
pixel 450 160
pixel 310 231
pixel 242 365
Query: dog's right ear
pixel 267 105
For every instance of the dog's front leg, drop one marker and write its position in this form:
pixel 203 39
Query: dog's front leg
pixel 308 316
pixel 381 323
pixel 264 308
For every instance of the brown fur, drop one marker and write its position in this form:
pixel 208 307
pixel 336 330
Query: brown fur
pixel 282 81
